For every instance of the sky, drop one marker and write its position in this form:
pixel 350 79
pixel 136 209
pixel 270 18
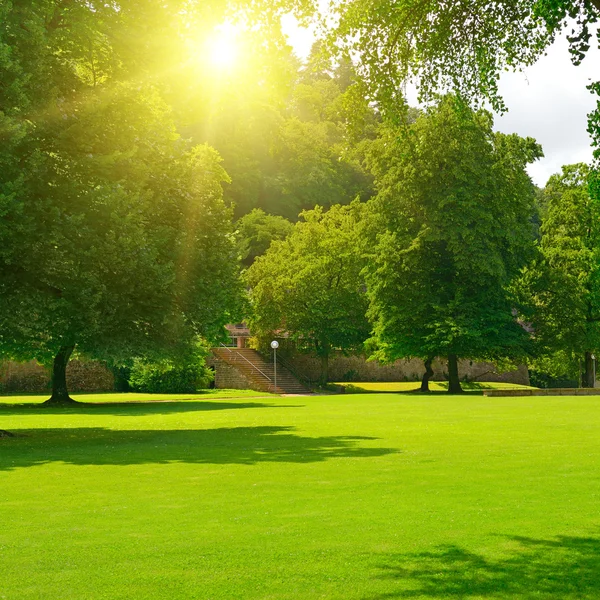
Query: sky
pixel 547 101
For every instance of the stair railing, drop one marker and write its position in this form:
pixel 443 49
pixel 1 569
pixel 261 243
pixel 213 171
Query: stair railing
pixel 253 365
pixel 248 361
pixel 302 378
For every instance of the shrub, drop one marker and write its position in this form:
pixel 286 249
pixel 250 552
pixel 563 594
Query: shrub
pixel 168 376
pixel 351 375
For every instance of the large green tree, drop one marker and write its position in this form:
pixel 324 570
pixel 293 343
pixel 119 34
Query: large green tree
pixel 453 211
pixel 114 238
pixel 565 281
pixel 309 285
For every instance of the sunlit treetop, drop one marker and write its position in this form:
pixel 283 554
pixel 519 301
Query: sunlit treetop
pixel 460 45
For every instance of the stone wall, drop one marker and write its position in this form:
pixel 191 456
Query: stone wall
pixel 227 376
pixel 31 377
pixel 357 368
pixel 544 392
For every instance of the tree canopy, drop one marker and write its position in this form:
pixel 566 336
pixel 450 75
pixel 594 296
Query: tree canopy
pixel 453 214
pixel 564 283
pixel 287 145
pixel 309 285
pixel 115 239
pixel 127 149
pixel 256 231
pixel 459 45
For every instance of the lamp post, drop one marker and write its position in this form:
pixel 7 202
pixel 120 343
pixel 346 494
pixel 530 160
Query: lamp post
pixel 275 345
pixel 594 369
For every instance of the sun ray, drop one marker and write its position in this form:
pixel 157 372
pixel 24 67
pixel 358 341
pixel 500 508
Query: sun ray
pixel 222 47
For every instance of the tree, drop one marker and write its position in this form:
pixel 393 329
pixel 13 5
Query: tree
pixel 309 286
pixel 115 240
pixel 256 231
pixel 455 45
pixel 565 282
pixel 285 143
pixel 461 45
pixel 453 211
pixel 128 241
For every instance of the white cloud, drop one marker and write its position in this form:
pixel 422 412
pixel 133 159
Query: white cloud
pixel 549 101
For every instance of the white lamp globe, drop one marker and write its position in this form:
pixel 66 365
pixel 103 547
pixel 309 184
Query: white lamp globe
pixel 274 344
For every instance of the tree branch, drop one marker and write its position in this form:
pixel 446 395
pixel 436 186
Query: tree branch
pixel 41 286
pixel 57 20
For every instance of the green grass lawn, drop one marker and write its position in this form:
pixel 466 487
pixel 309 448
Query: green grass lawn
pixel 434 386
pixel 373 496
pixel 137 397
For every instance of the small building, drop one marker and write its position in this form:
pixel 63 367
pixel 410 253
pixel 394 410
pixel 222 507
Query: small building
pixel 238 335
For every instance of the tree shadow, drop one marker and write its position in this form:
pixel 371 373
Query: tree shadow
pixel 134 408
pixel 562 568
pixel 227 445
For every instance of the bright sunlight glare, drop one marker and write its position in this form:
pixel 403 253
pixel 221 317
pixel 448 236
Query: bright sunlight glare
pixel 222 47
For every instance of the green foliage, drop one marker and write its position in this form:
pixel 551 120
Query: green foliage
pixel 165 377
pixel 309 286
pixel 564 284
pixel 454 209
pixel 124 240
pixel 256 231
pixel 114 235
pixel 555 370
pixel 183 375
pixel 288 145
pixel 462 45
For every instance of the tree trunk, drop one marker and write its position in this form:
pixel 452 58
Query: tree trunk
pixel 324 369
pixel 588 377
pixel 427 375
pixel 60 394
pixel 454 386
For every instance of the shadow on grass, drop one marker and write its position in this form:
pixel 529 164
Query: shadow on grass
pixel 134 407
pixel 565 568
pixel 234 445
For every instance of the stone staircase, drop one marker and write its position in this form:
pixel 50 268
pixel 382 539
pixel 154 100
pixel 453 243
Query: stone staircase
pixel 259 372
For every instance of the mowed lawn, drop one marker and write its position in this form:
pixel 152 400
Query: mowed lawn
pixel 372 496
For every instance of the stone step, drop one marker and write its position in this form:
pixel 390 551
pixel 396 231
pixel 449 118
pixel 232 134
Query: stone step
pixel 260 372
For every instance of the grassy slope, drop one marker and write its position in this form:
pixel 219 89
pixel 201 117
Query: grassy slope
pixel 345 497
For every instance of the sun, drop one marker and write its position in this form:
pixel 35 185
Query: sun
pixel 222 48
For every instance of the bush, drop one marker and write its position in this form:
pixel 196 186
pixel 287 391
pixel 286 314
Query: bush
pixel 544 380
pixel 166 376
pixel 351 375
pixel 121 374
pixel 558 370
